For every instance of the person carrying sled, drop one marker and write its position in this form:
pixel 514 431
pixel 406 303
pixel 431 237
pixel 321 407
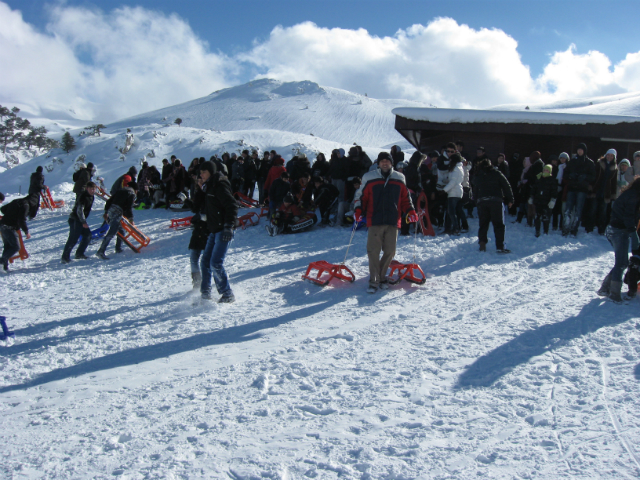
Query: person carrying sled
pixel 14 218
pixel 382 198
pixel 118 206
pixel 622 231
pixel 78 226
pixel 221 210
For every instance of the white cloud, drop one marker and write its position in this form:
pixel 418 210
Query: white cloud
pixel 127 61
pixel 139 60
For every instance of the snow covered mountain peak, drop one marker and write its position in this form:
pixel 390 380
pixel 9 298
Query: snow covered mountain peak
pixel 266 89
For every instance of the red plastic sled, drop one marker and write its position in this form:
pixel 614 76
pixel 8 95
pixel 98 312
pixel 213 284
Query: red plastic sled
pixel 102 193
pixel 180 223
pixel 249 219
pixel 406 271
pixel 131 232
pixel 245 201
pixel 48 201
pixel 334 271
pixel 22 253
pixel 424 221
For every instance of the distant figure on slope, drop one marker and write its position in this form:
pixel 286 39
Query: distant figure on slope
pixel 36 186
pixel 14 218
pixel 118 206
pixel 622 231
pixel 382 198
pixel 492 189
pixel 221 210
pixel 78 226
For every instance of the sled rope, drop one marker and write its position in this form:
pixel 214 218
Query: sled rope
pixel 353 231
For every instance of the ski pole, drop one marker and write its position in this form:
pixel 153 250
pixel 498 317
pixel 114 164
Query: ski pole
pixel 353 231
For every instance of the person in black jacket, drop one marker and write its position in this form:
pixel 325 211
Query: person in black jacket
pixel 118 206
pixel 118 184
pixel 81 178
pixel 263 171
pixel 320 167
pixel 14 218
pixel 221 210
pixel 200 232
pixel 325 197
pixel 279 188
pixel 543 198
pixel 621 231
pixel 36 185
pixel 492 190
pixel 78 226
pixel 579 175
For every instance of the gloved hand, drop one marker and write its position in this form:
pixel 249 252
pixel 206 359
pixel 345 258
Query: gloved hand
pixel 412 216
pixel 227 234
pixel 357 216
pixel 530 200
pixel 552 203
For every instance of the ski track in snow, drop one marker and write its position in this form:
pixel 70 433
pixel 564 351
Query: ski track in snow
pixel 499 366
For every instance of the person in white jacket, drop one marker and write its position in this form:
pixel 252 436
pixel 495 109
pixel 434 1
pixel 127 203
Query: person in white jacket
pixel 454 190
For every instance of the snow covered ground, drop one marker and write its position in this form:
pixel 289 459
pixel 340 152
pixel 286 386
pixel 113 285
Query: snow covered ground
pixel 500 366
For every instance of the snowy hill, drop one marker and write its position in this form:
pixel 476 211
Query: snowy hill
pixel 264 114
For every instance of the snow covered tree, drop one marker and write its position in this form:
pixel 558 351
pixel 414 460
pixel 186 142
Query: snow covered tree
pixel 95 129
pixel 178 121
pixel 68 143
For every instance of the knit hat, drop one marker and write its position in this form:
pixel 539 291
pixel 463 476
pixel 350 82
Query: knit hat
pixel 384 156
pixel 613 152
pixel 582 146
pixel 636 155
pixel 125 180
pixel 624 161
pixel 564 155
pixel 302 155
pixel 341 150
pixel 547 170
pixel 90 166
pixel 209 167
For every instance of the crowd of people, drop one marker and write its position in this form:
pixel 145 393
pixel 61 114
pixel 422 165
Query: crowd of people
pixel 564 193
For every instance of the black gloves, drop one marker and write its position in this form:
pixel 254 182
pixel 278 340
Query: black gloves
pixel 227 234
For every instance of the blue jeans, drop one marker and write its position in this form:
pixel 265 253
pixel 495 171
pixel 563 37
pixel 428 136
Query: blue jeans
pixel 452 210
pixel 572 221
pixel 619 240
pixel 11 243
pixel 212 263
pixel 114 228
pixel 195 260
pixel 76 230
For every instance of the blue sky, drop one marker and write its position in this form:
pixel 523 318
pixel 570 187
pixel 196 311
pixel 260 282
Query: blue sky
pixel 564 48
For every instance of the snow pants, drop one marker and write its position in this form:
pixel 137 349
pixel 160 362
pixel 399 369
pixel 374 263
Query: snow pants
pixel 491 211
pixel 212 264
pixel 11 243
pixel 382 238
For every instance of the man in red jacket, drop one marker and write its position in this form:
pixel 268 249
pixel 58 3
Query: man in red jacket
pixel 382 198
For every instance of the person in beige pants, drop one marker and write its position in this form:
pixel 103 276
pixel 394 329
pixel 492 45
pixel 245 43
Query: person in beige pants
pixel 382 198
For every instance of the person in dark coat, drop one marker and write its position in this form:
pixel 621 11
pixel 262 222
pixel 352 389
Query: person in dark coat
pixel 532 176
pixel 78 225
pixel 325 197
pixel 278 189
pixel 221 210
pixel 119 205
pixel 82 177
pixel 237 175
pixel 606 187
pixel 263 171
pixel 622 231
pixel 36 186
pixel 118 184
pixel 320 167
pixel 578 175
pixel 397 155
pixel 543 198
pixel 275 171
pixel 200 232
pixel 14 218
pixel 503 166
pixel 492 191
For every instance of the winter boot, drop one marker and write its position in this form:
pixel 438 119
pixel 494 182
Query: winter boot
pixel 614 292
pixel 196 279
pixel 606 285
pixel 483 246
pixel 101 255
pixel 227 298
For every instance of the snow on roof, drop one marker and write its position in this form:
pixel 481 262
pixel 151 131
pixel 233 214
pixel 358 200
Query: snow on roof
pixel 451 115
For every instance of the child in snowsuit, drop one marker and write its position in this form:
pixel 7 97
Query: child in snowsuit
pixel 78 226
pixel 544 193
